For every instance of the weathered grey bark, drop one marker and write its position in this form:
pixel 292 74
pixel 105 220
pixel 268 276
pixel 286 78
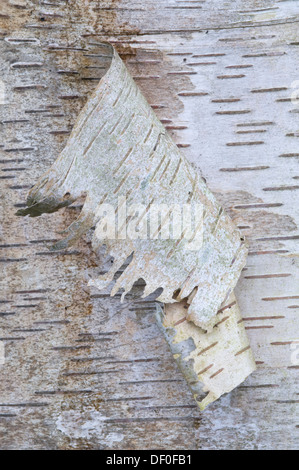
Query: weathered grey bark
pixel 221 80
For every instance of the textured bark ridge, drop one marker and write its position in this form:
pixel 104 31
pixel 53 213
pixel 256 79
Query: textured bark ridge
pixel 119 153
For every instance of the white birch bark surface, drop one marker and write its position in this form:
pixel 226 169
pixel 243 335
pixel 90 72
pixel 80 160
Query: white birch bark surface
pixel 80 371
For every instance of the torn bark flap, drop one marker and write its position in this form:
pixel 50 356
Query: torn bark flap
pixel 214 363
pixel 139 188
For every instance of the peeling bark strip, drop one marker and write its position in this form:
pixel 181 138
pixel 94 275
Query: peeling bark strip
pixel 119 150
pixel 214 363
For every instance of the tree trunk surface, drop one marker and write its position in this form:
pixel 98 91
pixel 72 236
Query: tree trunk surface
pixel 81 370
